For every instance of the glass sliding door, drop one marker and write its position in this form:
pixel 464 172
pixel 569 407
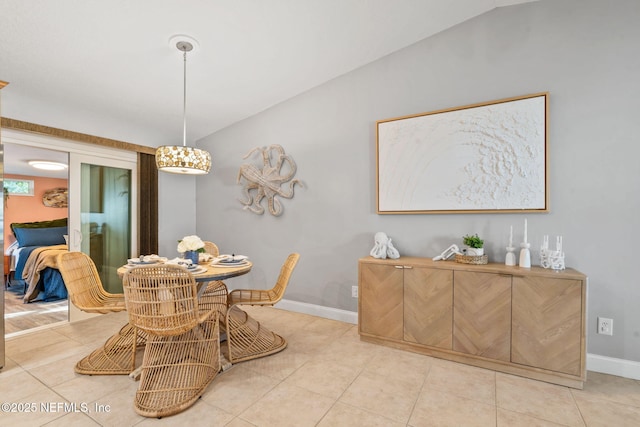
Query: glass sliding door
pixel 106 220
pixel 102 209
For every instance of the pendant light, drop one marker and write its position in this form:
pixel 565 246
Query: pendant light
pixel 183 159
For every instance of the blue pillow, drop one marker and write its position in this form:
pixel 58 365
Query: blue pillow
pixel 40 236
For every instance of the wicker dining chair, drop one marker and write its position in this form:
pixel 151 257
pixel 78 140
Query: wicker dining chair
pixel 182 355
pixel 211 249
pixel 266 296
pixel 215 293
pixel 246 338
pixel 84 287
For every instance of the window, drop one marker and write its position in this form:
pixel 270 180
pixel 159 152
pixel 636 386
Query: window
pixel 19 187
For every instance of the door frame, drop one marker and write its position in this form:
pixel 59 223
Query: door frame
pixel 93 153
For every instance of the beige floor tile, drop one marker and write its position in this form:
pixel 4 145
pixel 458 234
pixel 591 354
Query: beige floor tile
pixel 239 422
pixel 115 408
pixel 89 388
pixel 328 327
pixel 515 419
pixel 56 372
pixel 348 352
pixel 434 408
pixel 607 413
pixel 462 380
pixel 16 387
pixel 324 377
pixel 341 415
pixel 279 365
pixel 304 341
pixel 29 342
pixel 610 388
pixel 49 353
pixel 43 406
pixel 288 405
pixel 76 419
pixel 402 365
pixel 200 414
pixel 537 399
pixel 386 396
pixel 237 389
pixel 90 331
pixel 10 367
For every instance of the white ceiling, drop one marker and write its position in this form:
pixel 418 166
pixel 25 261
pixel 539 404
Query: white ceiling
pixel 17 160
pixel 109 62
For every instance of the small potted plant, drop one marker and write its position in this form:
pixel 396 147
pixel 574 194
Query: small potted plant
pixel 475 245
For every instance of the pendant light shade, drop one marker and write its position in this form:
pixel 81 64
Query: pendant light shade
pixel 183 159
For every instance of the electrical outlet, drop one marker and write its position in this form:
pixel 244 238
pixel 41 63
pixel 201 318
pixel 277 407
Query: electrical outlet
pixel 605 326
pixel 354 291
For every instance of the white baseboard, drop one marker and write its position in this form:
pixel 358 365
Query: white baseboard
pixel 613 366
pixel 320 311
pixel 596 363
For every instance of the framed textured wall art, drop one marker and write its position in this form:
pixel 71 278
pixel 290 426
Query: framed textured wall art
pixel 481 158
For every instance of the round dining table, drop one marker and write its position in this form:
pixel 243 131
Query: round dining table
pixel 212 273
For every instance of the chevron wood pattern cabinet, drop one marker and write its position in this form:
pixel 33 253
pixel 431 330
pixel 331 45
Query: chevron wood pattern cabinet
pixel 428 306
pixel 547 311
pixel 381 300
pixel 528 322
pixel 482 314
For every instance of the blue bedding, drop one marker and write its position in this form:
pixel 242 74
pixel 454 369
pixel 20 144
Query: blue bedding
pixel 50 286
pixel 22 260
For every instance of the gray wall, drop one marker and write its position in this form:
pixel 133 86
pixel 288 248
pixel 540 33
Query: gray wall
pixel 585 53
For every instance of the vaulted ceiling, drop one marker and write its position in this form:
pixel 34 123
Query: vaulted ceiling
pixel 88 64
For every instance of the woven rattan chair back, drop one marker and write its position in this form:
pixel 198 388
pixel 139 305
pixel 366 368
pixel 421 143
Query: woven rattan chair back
pixel 211 248
pixel 84 285
pixel 268 296
pixel 161 299
pixel 277 292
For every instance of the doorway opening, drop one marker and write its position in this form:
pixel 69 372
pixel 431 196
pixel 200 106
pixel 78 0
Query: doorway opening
pixel 40 196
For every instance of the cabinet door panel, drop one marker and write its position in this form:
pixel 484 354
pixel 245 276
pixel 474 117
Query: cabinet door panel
pixel 428 307
pixel 482 314
pixel 547 324
pixel 381 300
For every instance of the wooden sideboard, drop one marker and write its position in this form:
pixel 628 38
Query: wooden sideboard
pixel 527 322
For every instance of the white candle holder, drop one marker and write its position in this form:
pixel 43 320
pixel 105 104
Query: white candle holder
pixel 525 255
pixel 510 258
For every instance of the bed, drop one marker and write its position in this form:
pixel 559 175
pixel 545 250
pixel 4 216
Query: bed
pixel 33 259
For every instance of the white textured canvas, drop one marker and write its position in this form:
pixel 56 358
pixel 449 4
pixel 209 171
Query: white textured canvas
pixel 487 157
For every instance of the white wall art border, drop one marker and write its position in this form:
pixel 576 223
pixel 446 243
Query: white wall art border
pixel 486 157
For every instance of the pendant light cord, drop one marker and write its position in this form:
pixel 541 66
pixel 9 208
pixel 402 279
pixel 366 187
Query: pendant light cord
pixel 184 103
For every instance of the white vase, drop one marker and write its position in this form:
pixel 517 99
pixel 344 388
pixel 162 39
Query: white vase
pixel 475 251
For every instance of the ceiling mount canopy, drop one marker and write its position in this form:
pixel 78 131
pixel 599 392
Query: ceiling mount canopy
pixel 180 158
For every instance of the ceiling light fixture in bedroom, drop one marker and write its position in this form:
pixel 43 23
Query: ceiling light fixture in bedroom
pixel 47 165
pixel 176 158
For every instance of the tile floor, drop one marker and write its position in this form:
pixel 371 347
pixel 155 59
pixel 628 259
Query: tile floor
pixel 325 377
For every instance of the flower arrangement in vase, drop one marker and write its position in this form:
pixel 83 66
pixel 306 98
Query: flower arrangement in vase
pixel 190 247
pixel 475 245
